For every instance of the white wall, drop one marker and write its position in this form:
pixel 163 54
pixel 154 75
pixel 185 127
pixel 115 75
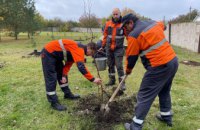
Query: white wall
pixel 94 30
pixel 185 35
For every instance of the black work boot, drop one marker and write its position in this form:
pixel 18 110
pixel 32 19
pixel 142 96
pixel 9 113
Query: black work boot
pixel 68 94
pixel 111 81
pixel 57 106
pixel 165 119
pixel 132 126
pixel 71 96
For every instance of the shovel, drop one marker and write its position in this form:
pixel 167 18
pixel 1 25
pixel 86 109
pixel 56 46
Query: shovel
pixel 105 108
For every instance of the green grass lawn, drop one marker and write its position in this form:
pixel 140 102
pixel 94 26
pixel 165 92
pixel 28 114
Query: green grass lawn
pixel 23 103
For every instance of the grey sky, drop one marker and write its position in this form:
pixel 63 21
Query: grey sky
pixel 155 9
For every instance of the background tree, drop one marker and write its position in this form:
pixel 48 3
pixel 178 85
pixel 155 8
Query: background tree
pixel 17 14
pixel 128 10
pixel 103 21
pixel 71 24
pixel 1 26
pixel 87 22
pixel 30 24
pixel 14 17
pixel 88 19
pixel 189 17
pixel 40 21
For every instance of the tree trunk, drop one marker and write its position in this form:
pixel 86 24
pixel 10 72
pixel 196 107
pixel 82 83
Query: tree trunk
pixel 16 36
pixel 16 33
pixel 0 35
pixel 28 35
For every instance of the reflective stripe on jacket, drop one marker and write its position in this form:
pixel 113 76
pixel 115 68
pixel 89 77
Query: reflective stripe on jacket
pixel 148 40
pixel 113 35
pixel 75 53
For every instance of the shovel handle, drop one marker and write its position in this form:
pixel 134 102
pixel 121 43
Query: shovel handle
pixel 116 90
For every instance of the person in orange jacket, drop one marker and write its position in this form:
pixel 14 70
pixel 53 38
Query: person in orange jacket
pixel 147 40
pixel 113 42
pixel 53 55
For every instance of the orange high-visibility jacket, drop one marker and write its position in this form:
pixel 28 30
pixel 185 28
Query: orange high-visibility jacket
pixel 75 53
pixel 113 35
pixel 148 40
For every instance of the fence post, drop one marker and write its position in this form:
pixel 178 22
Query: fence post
pixel 199 45
pixel 170 33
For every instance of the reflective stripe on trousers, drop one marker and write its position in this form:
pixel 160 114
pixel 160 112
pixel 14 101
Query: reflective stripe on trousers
pixel 138 121
pixel 169 113
pixel 64 85
pixel 51 93
pixel 112 74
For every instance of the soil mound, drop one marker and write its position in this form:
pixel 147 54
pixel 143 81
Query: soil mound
pixel 121 110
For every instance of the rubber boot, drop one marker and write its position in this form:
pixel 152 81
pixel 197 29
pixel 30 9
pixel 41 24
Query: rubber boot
pixel 57 106
pixel 165 119
pixel 69 95
pixel 132 126
pixel 111 81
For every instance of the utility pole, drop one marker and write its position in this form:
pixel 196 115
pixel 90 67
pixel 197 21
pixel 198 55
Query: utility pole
pixel 190 12
pixel 164 19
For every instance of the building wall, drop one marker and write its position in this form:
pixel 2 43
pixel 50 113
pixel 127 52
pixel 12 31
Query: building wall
pixel 185 35
pixel 94 30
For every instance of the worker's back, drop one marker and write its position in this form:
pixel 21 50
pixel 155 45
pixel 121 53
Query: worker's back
pixel 151 44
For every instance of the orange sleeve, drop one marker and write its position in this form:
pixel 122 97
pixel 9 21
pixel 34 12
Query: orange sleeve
pixel 132 53
pixel 84 71
pixel 162 25
pixel 67 67
pixel 78 56
pixel 105 34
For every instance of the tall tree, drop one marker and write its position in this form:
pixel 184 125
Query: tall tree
pixel 88 19
pixel 30 23
pixel 70 24
pixel 87 22
pixel 18 14
pixel 14 17
pixel 1 25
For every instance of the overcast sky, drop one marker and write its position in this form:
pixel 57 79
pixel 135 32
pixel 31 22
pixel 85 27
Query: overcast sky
pixel 155 9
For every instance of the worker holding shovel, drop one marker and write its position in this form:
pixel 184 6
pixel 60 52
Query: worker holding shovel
pixel 53 55
pixel 146 39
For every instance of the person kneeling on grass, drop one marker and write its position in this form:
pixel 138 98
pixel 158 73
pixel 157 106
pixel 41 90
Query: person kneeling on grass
pixel 54 70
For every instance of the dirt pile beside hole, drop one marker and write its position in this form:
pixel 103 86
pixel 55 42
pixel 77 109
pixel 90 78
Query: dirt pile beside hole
pixel 121 110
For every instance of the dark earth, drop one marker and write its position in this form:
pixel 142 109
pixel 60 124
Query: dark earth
pixel 121 110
